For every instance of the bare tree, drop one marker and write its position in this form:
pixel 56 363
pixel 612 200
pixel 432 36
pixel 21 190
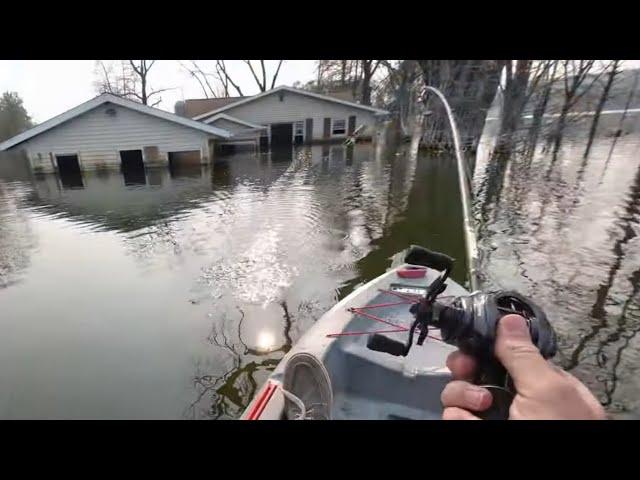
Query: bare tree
pixel 612 72
pixel 221 69
pixel 369 68
pixel 340 74
pixel 130 80
pixel 399 91
pixel 630 98
pixel 262 84
pixel 115 78
pixel 575 75
pixel 218 83
pixel 201 77
pixel 470 86
pixel 523 80
pixel 541 95
pixel 141 68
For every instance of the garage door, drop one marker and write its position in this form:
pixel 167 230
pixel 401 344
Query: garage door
pixel 281 134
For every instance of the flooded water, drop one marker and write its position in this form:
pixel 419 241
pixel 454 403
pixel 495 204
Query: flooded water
pixel 565 230
pixel 174 294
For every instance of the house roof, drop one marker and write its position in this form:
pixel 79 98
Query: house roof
pixel 198 106
pixel 293 90
pixel 224 116
pixel 108 98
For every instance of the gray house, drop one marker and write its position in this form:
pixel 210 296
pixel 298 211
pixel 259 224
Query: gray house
pixel 109 131
pixel 286 115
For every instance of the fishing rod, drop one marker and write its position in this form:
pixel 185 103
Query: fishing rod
pixel 464 179
pixel 469 322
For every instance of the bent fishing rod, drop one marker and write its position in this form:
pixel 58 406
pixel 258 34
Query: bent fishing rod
pixel 464 180
pixel 470 321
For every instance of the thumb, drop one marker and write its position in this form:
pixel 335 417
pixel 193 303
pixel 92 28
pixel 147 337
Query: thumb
pixel 518 354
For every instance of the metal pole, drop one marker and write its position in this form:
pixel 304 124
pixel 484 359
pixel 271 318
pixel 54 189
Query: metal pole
pixel 469 230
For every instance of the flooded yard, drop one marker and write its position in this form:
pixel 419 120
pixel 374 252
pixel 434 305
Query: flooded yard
pixel 173 294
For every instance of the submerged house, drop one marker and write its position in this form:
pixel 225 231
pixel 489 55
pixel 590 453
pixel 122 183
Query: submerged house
pixel 110 131
pixel 285 116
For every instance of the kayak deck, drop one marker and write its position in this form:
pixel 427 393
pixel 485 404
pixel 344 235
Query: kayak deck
pixel 368 384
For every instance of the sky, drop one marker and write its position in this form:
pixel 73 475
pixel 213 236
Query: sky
pixel 51 87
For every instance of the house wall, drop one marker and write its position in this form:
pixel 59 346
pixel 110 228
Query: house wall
pixel 230 126
pixel 97 138
pixel 295 107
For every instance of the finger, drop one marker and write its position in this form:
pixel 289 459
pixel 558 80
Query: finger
pixel 462 366
pixel 465 395
pixel 519 355
pixel 594 405
pixel 455 413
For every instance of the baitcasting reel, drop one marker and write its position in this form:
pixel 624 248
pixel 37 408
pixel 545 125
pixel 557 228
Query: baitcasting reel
pixel 470 323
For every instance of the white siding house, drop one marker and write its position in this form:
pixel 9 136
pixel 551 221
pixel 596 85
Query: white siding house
pixel 234 125
pixel 97 132
pixel 289 113
pixel 244 133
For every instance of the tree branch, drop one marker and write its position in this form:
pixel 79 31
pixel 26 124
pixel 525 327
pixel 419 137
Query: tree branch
pixel 273 82
pixel 193 74
pixel 248 62
pixel 204 77
pixel 264 76
pixel 375 68
pixel 224 71
pixel 133 65
pixel 159 91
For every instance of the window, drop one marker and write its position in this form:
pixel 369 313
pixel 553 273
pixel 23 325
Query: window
pixel 339 127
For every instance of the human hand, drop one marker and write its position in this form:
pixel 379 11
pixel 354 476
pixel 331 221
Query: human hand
pixel 544 391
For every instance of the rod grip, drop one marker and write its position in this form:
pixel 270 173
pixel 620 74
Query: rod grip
pixel 380 343
pixel 418 255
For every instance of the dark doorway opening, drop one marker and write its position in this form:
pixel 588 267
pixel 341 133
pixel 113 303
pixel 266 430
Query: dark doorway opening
pixel 132 167
pixel 264 144
pixel 68 164
pixel 227 149
pixel 69 171
pixel 131 159
pixel 281 134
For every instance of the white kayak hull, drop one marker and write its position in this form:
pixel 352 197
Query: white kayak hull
pixel 368 384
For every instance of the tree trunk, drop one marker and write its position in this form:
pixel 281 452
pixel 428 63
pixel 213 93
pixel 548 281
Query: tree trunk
pixel 143 89
pixel 559 131
pixel 538 114
pixel 368 69
pixel 470 87
pixel 603 99
pixel 515 97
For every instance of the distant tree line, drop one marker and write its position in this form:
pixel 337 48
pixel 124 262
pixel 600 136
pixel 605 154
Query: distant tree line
pixel 471 86
pixel 14 118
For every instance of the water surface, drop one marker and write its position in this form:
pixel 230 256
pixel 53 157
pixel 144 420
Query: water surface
pixel 175 293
